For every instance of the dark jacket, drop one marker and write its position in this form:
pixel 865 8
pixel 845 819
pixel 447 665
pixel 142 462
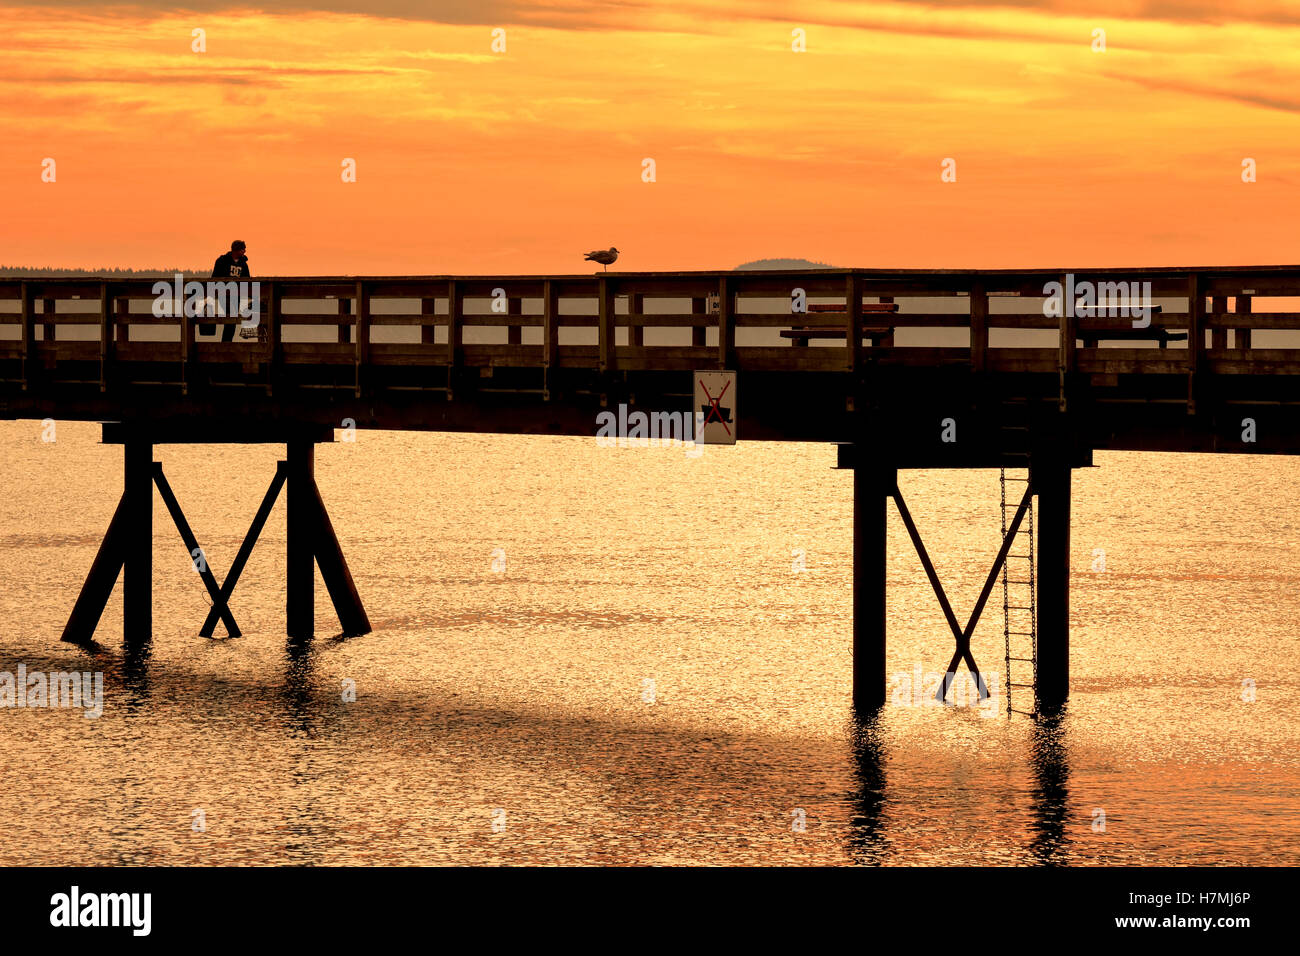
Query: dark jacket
pixel 227 268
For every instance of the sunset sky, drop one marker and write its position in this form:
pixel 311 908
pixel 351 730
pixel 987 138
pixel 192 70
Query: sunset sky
pixel 470 161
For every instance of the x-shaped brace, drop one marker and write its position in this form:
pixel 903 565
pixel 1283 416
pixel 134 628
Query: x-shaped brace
pixel 962 651
pixel 220 594
pixel 715 411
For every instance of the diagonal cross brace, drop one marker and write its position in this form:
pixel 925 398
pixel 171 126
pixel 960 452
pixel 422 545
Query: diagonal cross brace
pixel 962 651
pixel 246 549
pixel 219 602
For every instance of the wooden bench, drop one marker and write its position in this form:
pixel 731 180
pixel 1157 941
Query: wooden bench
pixel 1127 333
pixel 800 335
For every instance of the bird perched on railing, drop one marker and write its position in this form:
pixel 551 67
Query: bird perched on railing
pixel 606 257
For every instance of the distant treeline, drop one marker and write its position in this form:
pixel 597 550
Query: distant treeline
pixel 784 264
pixel 109 273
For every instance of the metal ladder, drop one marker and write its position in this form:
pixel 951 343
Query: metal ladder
pixel 1019 593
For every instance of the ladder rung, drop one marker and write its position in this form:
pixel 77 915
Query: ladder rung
pixel 1021 633
pixel 1023 660
pixel 1017 607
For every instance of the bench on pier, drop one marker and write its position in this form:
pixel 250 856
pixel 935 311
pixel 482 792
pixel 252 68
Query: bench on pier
pixel 1126 333
pixel 800 335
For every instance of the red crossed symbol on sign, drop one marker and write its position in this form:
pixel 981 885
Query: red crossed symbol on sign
pixel 714 410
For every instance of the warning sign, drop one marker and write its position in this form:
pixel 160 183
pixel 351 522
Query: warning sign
pixel 715 408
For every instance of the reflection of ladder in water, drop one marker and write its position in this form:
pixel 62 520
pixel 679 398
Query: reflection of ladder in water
pixel 1019 608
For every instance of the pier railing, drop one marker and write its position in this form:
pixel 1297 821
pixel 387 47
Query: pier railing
pixel 127 331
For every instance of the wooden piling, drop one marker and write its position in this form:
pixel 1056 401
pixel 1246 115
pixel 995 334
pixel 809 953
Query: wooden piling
pixel 1051 481
pixel 300 569
pixel 137 536
pixel 872 485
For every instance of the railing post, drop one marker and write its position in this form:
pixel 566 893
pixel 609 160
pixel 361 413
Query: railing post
pixel 853 322
pixel 1195 337
pixel 120 332
pixel 106 332
pixel 979 326
pixel 362 336
pixel 454 301
pixel 345 309
pixel 1219 332
pixel 25 311
pixel 550 335
pixel 48 335
pixel 636 331
pixel 274 335
pixel 699 306
pixel 1066 358
pixel 187 343
pixel 605 325
pixel 428 333
pixel 726 325
pixel 515 333
pixel 886 341
pixel 1241 336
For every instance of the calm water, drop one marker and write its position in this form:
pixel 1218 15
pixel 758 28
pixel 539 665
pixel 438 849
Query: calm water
pixel 522 698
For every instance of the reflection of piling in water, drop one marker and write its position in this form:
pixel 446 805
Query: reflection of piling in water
pixel 1050 795
pixel 866 842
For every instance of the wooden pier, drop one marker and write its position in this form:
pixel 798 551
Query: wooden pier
pixel 902 369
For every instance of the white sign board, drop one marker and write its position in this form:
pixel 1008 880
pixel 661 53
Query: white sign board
pixel 715 408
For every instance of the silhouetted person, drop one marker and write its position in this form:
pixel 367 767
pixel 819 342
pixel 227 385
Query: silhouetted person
pixel 232 265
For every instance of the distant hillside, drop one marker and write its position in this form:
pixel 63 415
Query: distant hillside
pixel 785 264
pixel 107 273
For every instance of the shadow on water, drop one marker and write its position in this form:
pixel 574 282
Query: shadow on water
pixel 629 765
pixel 1049 759
pixel 866 842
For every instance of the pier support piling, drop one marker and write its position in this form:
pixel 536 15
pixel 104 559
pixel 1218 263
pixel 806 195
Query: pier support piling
pixel 312 542
pixel 872 486
pixel 137 531
pixel 1051 481
pixel 300 568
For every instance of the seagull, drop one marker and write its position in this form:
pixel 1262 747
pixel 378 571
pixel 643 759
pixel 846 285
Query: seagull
pixel 606 257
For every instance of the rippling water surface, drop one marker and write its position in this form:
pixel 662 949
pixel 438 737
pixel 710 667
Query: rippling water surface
pixel 509 717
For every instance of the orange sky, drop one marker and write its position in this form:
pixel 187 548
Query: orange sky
pixel 474 162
